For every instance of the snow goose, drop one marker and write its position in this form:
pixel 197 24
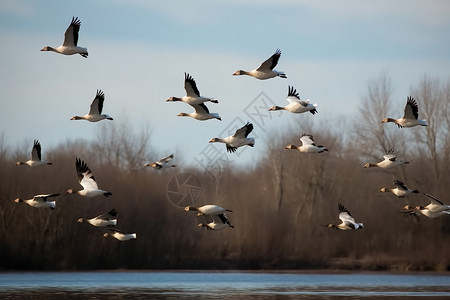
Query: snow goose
pixel 69 45
pixel 400 190
pixel 201 113
pixel 162 163
pixel 238 139
pixel 192 93
pixel 308 145
pixel 433 210
pixel 265 70
pixel 35 160
pixel 39 201
pixel 218 222
pixel 410 117
pixel 87 181
pixel 295 104
pixel 120 235
pixel 390 161
pixel 95 113
pixel 348 222
pixel 108 219
pixel 208 210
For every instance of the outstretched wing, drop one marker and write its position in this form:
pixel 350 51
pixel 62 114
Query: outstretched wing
pixel 345 216
pixel 201 108
pixel 390 155
pixel 400 185
pixel 307 139
pixel 44 197
pixel 271 62
pixel 97 103
pixel 108 216
pixel 85 176
pixel 190 86
pixel 411 109
pixel 244 131
pixel 434 200
pixel 71 35
pixel 36 151
pixel 166 159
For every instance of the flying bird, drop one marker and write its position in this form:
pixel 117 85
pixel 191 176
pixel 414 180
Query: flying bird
pixel 295 104
pixel 104 220
pixel 348 222
pixel 238 139
pixel 162 163
pixel 433 210
pixel 390 160
pixel 201 113
pixel 39 201
pixel 87 181
pixel 410 117
pixel 69 46
pixel 35 160
pixel 120 235
pixel 192 93
pixel 308 145
pixel 95 113
pixel 265 70
pixel 400 190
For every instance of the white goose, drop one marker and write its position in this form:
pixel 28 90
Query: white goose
pixel 192 93
pixel 218 222
pixel 265 71
pixel 390 161
pixel 35 160
pixel 208 210
pixel 109 219
pixel 39 201
pixel 162 163
pixel 69 45
pixel 308 145
pixel 433 210
pixel 87 181
pixel 400 190
pixel 201 113
pixel 410 117
pixel 120 235
pixel 295 104
pixel 348 222
pixel 238 139
pixel 95 112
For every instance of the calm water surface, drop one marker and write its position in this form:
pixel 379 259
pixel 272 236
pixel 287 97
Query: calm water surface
pixel 220 285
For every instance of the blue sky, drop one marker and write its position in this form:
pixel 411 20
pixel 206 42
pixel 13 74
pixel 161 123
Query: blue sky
pixel 139 51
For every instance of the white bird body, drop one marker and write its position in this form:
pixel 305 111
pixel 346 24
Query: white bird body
pixel 192 96
pixel 400 190
pixel 295 104
pixel 209 210
pixel 390 161
pixel 87 181
pixel 348 222
pixel 238 139
pixel 39 201
pixel 95 112
pixel 69 46
pixel 201 113
pixel 265 70
pixel 121 236
pixel 308 145
pixel 35 160
pixel 103 220
pixel 410 117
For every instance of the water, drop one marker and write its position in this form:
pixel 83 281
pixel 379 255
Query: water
pixel 220 285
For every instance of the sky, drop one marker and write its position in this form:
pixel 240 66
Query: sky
pixel 139 51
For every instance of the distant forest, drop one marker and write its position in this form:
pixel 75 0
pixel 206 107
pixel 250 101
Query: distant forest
pixel 280 204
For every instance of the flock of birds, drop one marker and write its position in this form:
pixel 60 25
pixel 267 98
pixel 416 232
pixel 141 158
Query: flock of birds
pixel 214 215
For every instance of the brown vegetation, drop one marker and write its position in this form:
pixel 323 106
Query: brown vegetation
pixel 279 206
